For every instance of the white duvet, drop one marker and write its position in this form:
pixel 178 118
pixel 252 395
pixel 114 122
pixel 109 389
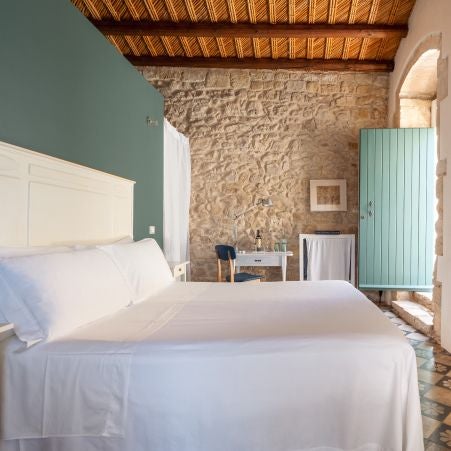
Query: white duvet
pixel 220 367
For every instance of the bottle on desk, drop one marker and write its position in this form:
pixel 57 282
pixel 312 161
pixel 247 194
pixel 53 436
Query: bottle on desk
pixel 258 241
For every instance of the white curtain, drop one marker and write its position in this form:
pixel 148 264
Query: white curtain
pixel 177 191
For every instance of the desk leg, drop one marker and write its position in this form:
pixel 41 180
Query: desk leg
pixel 284 268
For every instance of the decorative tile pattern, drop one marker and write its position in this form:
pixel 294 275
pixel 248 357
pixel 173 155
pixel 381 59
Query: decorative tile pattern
pixel 434 383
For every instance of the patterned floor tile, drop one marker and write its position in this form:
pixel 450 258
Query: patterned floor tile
pixel 421 361
pixel 445 382
pixel 439 394
pixel 442 436
pixel 407 328
pixel 431 346
pixel 425 353
pixel 389 313
pixel 434 384
pixel 429 426
pixel 396 320
pixel 417 336
pixel 424 387
pixel 431 365
pixel 415 344
pixel 431 446
pixel 430 377
pixel 443 359
pixel 434 409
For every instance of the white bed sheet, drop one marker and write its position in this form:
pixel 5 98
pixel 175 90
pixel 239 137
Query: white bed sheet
pixel 225 367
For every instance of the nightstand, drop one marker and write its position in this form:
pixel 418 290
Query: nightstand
pixel 179 269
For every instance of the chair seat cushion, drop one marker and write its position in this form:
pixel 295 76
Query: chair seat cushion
pixel 244 277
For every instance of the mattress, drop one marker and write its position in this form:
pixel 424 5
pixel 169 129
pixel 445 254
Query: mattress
pixel 219 367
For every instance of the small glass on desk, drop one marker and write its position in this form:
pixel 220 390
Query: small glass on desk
pixel 283 245
pixel 276 247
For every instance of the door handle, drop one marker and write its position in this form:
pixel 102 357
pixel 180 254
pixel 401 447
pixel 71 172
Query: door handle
pixel 370 206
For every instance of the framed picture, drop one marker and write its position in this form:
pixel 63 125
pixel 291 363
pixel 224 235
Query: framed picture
pixel 328 195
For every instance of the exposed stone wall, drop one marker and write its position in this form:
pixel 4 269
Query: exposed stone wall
pixel 257 134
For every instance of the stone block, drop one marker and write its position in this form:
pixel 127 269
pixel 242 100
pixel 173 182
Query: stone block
pixel 217 79
pixel 313 86
pixel 257 85
pixel 295 86
pixel 192 75
pixel 263 75
pixel 441 168
pixel 442 78
pixel 365 90
pixel 240 79
pixel 281 76
pixel 329 89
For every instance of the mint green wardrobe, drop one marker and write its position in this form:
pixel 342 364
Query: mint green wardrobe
pixel 397 205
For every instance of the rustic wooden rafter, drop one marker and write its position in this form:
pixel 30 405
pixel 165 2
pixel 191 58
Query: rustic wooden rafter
pixel 239 48
pixel 394 10
pixel 371 19
pixel 186 46
pixel 351 20
pixel 331 20
pixel 116 16
pixel 151 10
pixel 232 11
pixel 310 48
pixel 249 30
pixel 265 63
pixel 291 20
pixel 311 11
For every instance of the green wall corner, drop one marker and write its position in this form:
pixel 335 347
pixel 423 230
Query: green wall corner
pixel 65 91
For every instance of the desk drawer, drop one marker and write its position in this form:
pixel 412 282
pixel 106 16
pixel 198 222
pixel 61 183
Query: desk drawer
pixel 254 260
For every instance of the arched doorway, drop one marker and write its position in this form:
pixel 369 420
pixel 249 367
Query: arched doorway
pixel 417 107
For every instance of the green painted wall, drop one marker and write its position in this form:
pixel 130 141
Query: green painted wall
pixel 65 91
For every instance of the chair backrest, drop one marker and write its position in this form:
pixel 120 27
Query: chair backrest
pixel 226 253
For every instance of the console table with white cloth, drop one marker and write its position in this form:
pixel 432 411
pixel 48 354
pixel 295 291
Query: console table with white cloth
pixel 327 257
pixel 262 258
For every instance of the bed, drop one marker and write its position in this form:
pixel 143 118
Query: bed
pixel 159 365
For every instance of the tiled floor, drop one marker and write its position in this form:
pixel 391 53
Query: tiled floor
pixel 434 380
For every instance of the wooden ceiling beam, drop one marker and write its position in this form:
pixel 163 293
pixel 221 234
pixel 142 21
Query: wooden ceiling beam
pixel 266 63
pixel 249 30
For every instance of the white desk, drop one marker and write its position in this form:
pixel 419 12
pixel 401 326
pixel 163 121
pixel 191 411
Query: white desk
pixel 263 259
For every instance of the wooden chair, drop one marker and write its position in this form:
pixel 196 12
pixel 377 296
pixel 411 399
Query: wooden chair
pixel 227 253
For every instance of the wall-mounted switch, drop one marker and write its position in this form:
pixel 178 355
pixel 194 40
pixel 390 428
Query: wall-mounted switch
pixel 151 230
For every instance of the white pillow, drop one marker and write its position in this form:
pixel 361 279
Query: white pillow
pixel 82 246
pixel 143 265
pixel 46 296
pixel 8 252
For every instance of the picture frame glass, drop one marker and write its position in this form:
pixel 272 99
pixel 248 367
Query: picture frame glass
pixel 328 195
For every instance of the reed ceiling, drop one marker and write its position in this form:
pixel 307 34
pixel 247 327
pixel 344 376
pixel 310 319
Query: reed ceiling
pixel 361 35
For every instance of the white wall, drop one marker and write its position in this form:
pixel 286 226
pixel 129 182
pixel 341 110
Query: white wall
pixel 432 17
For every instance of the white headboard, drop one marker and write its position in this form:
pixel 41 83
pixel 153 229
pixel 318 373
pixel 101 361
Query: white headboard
pixel 45 201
